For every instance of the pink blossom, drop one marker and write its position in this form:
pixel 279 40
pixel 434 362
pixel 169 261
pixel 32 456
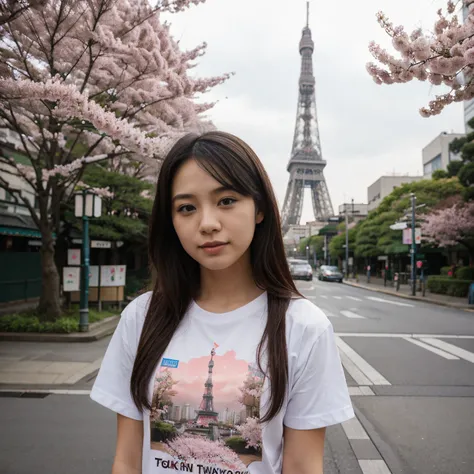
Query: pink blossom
pixel 251 431
pixel 192 448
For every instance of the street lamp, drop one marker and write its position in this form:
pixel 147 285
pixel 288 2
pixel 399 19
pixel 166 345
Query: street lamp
pixel 86 204
pixel 413 245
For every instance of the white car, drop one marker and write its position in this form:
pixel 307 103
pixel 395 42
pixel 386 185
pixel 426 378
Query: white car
pixel 300 269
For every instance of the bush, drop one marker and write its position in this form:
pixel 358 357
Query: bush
pixel 237 444
pixel 31 322
pixel 448 286
pixel 445 270
pixel 465 273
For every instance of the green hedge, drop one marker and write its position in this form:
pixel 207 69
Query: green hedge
pixel 465 273
pixel 448 286
pixel 30 322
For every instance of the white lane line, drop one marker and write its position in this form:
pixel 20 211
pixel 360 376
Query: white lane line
pixel 383 300
pixel 323 296
pixel 350 314
pixel 338 297
pixel 360 391
pixel 457 351
pixel 382 334
pixel 353 298
pixel 374 466
pixel 441 353
pixel 370 372
pixel 354 429
pixel 52 391
pixel 353 370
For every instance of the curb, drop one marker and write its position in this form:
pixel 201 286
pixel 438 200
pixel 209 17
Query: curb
pixel 96 331
pixel 413 298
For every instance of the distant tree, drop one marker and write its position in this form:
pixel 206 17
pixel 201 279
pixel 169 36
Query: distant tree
pixel 452 226
pixel 439 174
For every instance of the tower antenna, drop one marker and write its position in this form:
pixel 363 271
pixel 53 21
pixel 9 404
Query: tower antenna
pixel 307 14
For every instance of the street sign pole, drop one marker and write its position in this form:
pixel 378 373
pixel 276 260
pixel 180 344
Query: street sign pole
pixel 413 245
pixel 347 244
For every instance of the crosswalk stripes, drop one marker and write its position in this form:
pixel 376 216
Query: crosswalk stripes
pixel 351 315
pixel 450 348
pixel 359 369
pixel 383 300
pixel 353 298
pixel 441 353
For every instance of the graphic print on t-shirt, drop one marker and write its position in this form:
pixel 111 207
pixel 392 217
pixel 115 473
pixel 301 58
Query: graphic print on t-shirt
pixel 204 414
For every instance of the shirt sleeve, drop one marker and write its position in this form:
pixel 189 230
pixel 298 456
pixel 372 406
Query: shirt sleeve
pixel 112 385
pixel 319 395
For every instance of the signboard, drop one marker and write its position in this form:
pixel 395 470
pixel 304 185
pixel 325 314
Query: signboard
pixel 71 278
pixel 419 264
pixel 112 275
pixel 94 275
pixel 74 256
pixel 101 244
pixel 407 236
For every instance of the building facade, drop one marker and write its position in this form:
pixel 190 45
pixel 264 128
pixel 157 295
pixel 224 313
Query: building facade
pixel 355 211
pixel 437 156
pixel 381 188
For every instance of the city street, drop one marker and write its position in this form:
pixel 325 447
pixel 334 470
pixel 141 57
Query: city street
pixel 409 367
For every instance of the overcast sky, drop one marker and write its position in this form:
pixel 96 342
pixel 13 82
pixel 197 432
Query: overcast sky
pixel 366 130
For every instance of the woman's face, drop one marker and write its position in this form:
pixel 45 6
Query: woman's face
pixel 206 214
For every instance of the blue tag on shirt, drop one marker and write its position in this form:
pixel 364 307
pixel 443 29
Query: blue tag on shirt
pixel 172 363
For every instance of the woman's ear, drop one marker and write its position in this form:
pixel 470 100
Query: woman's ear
pixel 259 217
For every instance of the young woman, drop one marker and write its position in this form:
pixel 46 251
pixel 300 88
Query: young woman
pixel 224 367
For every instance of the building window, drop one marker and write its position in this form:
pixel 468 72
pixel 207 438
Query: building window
pixel 433 165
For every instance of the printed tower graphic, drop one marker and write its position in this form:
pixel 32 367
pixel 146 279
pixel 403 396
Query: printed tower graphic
pixel 206 413
pixel 306 164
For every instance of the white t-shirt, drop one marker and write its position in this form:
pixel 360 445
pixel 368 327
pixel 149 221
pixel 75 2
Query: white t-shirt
pixel 205 393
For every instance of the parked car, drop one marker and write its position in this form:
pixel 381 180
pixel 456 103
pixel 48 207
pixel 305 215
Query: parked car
pixel 329 273
pixel 300 269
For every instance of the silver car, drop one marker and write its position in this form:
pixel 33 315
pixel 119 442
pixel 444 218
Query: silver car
pixel 300 269
pixel 330 273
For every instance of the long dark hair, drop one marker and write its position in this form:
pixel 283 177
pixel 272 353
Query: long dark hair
pixel 177 276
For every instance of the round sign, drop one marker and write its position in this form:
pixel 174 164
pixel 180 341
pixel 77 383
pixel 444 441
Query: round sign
pixel 368 268
pixel 419 264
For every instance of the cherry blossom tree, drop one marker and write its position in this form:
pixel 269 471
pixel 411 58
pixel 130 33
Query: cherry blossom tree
pixel 192 448
pixel 83 81
pixel 444 57
pixel 11 9
pixel 251 431
pixel 162 394
pixel 451 226
pixel 250 393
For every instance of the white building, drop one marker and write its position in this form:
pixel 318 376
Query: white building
pixel 355 211
pixel 468 104
pixel 436 155
pixel 377 191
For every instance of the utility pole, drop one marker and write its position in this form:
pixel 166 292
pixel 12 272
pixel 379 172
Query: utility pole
pixel 413 245
pixel 347 242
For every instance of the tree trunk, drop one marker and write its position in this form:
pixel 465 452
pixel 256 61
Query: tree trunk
pixel 49 305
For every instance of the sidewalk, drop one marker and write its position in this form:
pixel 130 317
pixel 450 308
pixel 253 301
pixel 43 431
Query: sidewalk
pixel 377 284
pixel 42 361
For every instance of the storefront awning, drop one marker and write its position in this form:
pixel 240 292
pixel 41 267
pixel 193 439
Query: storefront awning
pixel 19 232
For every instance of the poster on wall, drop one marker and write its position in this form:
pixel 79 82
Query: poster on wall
pixel 112 275
pixel 71 278
pixel 94 275
pixel 74 256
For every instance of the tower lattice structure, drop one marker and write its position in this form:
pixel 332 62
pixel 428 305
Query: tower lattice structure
pixel 306 164
pixel 206 413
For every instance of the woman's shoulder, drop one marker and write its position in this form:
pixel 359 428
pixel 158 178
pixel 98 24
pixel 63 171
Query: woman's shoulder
pixel 137 308
pixel 303 317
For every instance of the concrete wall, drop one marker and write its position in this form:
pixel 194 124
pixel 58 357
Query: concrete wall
pixel 384 186
pixel 436 155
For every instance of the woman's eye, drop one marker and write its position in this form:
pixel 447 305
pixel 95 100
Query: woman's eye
pixel 228 201
pixel 186 208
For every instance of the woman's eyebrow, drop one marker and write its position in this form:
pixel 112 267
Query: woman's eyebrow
pixel 218 190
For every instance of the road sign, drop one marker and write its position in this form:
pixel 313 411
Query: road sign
pixel 419 264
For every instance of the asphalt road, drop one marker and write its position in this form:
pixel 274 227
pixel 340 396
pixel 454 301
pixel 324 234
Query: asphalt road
pixel 409 365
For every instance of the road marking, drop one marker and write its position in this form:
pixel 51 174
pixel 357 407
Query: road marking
pixel 338 297
pixel 441 353
pixel 354 429
pixel 360 391
pixel 328 313
pixel 52 391
pixel 375 377
pixel 323 296
pixel 353 298
pixel 350 314
pixel 374 466
pixel 417 336
pixel 353 370
pixel 452 349
pixel 383 300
